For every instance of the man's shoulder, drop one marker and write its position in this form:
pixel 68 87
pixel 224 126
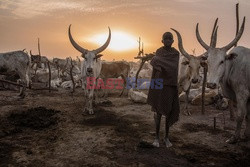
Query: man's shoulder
pixel 175 51
pixel 160 49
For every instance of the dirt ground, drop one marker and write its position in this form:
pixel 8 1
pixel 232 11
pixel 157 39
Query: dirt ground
pixel 49 129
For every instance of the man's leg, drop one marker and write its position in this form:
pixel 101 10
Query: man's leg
pixel 157 118
pixel 167 142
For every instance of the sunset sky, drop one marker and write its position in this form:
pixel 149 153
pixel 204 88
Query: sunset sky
pixel 23 21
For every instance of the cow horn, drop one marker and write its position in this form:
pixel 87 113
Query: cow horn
pixel 203 44
pixel 237 38
pixel 214 42
pixel 180 44
pixel 31 53
pixel 76 46
pixel 214 35
pixel 103 47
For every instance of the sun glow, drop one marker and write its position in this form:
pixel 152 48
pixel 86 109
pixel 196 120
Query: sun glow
pixel 120 41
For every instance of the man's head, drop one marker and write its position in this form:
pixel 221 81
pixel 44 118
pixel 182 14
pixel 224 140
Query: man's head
pixel 167 39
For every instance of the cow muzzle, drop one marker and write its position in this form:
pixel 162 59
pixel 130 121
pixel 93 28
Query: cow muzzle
pixel 195 81
pixel 211 85
pixel 89 71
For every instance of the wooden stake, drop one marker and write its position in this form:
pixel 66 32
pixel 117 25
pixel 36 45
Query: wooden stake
pixel 71 75
pixel 137 73
pixel 39 51
pixel 49 76
pixel 203 90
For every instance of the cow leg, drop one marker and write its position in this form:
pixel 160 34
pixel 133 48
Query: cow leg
pixel 186 111
pixel 24 83
pixel 231 110
pixel 85 109
pixel 157 119
pixel 124 82
pixel 90 107
pixel 247 131
pixel 241 112
pixel 27 77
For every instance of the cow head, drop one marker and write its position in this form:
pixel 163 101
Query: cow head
pixel 191 61
pixel 35 58
pixel 215 58
pixel 90 57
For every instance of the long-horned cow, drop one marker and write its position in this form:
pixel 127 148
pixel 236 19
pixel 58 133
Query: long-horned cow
pixel 232 72
pixel 38 60
pixel 18 62
pixel 90 67
pixel 188 70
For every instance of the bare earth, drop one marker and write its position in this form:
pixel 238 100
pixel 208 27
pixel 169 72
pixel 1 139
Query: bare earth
pixel 49 129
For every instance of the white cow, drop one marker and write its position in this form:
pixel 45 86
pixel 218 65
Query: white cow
pixel 91 67
pixel 18 62
pixel 232 72
pixel 189 67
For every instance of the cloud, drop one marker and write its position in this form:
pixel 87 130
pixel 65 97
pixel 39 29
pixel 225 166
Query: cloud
pixel 32 8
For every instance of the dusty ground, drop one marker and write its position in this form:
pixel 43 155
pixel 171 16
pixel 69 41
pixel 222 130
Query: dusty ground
pixel 49 129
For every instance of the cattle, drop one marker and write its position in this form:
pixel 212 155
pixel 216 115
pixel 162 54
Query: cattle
pixel 90 67
pixel 114 70
pixel 232 72
pixel 189 67
pixel 38 60
pixel 17 62
pixel 61 64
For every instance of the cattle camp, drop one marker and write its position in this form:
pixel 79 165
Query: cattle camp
pixel 125 83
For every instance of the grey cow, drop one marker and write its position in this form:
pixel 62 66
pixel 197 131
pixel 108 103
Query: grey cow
pixel 18 62
pixel 90 67
pixel 232 72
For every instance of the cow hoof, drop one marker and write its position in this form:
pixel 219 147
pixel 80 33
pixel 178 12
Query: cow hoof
pixel 187 113
pixel 22 96
pixel 156 143
pixel 85 111
pixel 91 112
pixel 232 140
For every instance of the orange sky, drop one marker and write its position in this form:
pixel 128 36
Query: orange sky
pixel 23 21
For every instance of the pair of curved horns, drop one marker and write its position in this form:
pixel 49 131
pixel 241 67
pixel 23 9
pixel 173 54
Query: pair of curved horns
pixel 83 50
pixel 214 37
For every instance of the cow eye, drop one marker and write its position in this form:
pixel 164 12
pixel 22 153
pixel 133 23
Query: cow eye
pixel 222 62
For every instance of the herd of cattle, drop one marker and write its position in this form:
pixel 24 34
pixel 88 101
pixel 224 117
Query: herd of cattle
pixel 228 71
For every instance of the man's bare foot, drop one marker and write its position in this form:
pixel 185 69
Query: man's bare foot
pixel 156 143
pixel 168 143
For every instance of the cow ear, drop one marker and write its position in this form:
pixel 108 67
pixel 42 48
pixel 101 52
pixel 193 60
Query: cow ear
pixel 98 56
pixel 231 56
pixel 185 62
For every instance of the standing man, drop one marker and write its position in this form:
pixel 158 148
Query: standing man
pixel 165 101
